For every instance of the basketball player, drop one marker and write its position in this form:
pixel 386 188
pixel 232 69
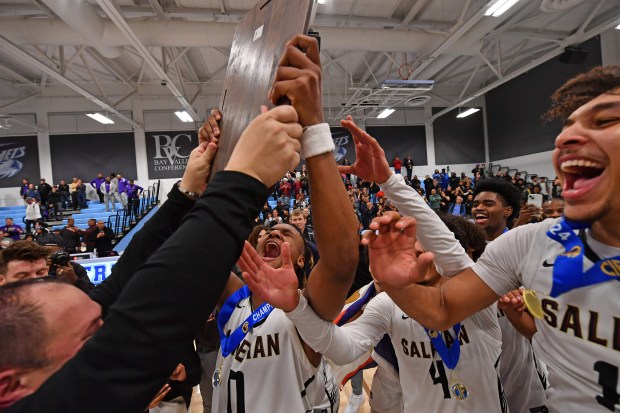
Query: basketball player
pixel 466 358
pixel 262 360
pixel 569 268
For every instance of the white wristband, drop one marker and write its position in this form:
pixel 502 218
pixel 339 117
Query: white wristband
pixel 316 140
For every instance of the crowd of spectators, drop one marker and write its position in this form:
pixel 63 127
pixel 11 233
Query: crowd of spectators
pixel 444 191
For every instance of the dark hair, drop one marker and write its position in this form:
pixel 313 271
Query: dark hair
pixel 511 195
pixel 253 237
pixel 581 89
pixel 470 236
pixel 23 332
pixel 22 250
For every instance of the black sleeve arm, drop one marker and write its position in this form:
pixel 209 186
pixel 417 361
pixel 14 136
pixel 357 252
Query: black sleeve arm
pixel 160 310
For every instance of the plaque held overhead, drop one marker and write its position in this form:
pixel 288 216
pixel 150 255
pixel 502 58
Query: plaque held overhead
pixel 257 46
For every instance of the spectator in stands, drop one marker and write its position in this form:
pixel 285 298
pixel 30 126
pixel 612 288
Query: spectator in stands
pixel 409 166
pixel 103 239
pixel 298 220
pixel 469 204
pixel 64 190
pixel 44 190
pixel 44 237
pixel 285 192
pixel 133 192
pixel 436 176
pixel 90 235
pixel 108 190
pixel 528 214
pixel 496 205
pixel 458 208
pixel 81 188
pixel 397 164
pixel 121 185
pixel 55 204
pixel 75 202
pixel 33 213
pixel 33 193
pixel 96 183
pixel 434 200
pixel 308 215
pixel 24 188
pixel 553 208
pixel 72 236
pixel 11 230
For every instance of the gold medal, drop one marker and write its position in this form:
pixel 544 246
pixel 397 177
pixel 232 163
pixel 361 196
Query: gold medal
pixel 458 389
pixel 532 303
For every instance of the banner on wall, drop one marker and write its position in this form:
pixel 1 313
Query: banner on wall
pixel 168 152
pixel 19 159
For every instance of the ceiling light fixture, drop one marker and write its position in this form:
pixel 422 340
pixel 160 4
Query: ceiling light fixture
pixel 467 112
pixel 321 1
pixel 387 112
pixel 100 118
pixel 499 7
pixel 184 116
pixel 618 27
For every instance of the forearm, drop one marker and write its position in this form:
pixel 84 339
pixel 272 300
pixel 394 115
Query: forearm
pixel 450 257
pixel 440 307
pixel 342 345
pixel 335 228
pixel 522 321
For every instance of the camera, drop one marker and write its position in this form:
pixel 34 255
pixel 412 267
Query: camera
pixel 60 258
pixel 163 83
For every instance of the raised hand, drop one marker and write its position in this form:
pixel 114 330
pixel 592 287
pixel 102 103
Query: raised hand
pixel 198 167
pixel 391 247
pixel 276 286
pixel 269 146
pixel 370 163
pixel 299 79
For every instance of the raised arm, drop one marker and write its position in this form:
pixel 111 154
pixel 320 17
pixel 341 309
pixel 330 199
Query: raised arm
pixel 371 165
pixel 335 224
pixel 495 273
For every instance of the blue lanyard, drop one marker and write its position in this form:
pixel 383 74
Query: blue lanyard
pixel 229 343
pixel 568 268
pixel 449 356
pixel 356 306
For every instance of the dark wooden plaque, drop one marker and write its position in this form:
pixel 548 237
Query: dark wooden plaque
pixel 257 46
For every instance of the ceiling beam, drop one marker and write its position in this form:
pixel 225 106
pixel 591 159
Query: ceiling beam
pixel 117 18
pixel 31 62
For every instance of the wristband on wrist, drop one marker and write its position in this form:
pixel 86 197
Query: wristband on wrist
pixel 191 195
pixel 316 140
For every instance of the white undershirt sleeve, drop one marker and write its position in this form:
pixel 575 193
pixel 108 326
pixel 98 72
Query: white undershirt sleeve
pixel 342 345
pixel 450 257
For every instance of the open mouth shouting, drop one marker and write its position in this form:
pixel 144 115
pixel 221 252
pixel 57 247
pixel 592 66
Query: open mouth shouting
pixel 580 175
pixel 271 250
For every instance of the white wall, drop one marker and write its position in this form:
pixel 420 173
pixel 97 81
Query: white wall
pixel 536 163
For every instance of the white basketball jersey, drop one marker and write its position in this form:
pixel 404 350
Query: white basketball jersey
pixel 579 336
pixel 523 382
pixel 425 380
pixel 269 370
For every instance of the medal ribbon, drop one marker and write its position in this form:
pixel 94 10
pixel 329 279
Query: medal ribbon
pixel 230 343
pixel 449 356
pixel 568 271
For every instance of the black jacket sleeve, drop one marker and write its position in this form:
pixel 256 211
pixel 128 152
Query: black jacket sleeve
pixel 160 309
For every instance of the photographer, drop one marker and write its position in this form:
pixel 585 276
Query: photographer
pixel 61 266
